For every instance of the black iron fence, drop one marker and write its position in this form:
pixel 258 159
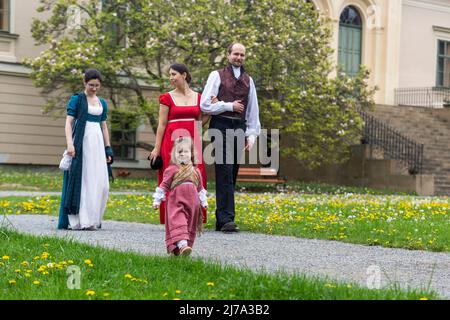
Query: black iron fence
pixel 393 144
pixel 432 97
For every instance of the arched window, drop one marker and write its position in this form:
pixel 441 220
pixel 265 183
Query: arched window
pixel 350 40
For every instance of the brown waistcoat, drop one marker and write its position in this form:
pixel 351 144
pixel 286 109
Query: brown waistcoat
pixel 232 89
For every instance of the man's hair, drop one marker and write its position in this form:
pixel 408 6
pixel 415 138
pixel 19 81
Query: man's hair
pixel 230 47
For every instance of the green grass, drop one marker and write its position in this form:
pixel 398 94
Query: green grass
pixel 108 274
pixel 51 180
pixel 389 221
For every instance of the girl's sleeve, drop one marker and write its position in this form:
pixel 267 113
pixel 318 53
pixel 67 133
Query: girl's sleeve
pixel 72 106
pixel 105 109
pixel 160 192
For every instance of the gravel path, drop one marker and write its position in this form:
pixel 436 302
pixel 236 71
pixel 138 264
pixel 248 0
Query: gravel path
pixel 331 259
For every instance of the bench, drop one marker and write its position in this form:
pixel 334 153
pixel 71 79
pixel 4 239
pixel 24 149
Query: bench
pixel 259 175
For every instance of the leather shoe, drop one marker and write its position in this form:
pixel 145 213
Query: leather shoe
pixel 229 227
pixel 185 251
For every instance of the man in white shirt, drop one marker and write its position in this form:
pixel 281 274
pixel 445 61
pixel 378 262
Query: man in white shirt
pixel 230 97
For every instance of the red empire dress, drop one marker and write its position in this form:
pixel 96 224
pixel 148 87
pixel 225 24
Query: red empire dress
pixel 181 121
pixel 183 205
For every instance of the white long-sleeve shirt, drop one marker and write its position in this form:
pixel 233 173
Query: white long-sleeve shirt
pixel 252 114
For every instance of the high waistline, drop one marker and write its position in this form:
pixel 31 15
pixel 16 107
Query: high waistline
pixel 94 118
pixel 177 120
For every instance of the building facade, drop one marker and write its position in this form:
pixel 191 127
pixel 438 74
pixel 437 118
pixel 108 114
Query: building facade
pixel 404 43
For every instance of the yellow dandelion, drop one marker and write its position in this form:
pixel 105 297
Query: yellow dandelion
pixel 210 284
pixel 36 282
pixel 5 257
pixel 17 271
pixel 165 294
pixel 176 299
pixel 70 261
pixel 128 276
pixel 12 281
pixel 423 298
pixel 24 263
pixel 90 292
pixel 178 291
pixel 88 261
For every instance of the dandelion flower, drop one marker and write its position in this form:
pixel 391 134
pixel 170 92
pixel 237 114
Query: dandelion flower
pixel 36 282
pixel 12 281
pixel 210 284
pixel 90 293
pixel 5 257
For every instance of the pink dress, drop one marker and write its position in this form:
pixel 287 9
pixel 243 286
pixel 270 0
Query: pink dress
pixel 182 209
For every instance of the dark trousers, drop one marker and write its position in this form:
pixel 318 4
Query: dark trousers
pixel 228 148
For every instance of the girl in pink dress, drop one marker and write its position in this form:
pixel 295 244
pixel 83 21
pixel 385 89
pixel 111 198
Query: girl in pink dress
pixel 182 182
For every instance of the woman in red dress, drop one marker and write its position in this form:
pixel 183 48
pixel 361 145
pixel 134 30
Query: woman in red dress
pixel 179 115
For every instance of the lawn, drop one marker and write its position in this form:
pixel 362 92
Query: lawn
pixel 348 214
pixel 46 268
pixel 390 221
pixel 51 180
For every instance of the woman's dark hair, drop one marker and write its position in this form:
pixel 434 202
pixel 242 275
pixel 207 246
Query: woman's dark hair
pixel 91 74
pixel 181 68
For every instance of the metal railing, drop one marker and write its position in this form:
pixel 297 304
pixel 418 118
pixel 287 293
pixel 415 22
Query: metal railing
pixel 393 144
pixel 432 97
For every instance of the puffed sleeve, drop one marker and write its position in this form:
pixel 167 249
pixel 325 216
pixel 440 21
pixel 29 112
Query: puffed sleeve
pixel 105 109
pixel 164 99
pixel 72 106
